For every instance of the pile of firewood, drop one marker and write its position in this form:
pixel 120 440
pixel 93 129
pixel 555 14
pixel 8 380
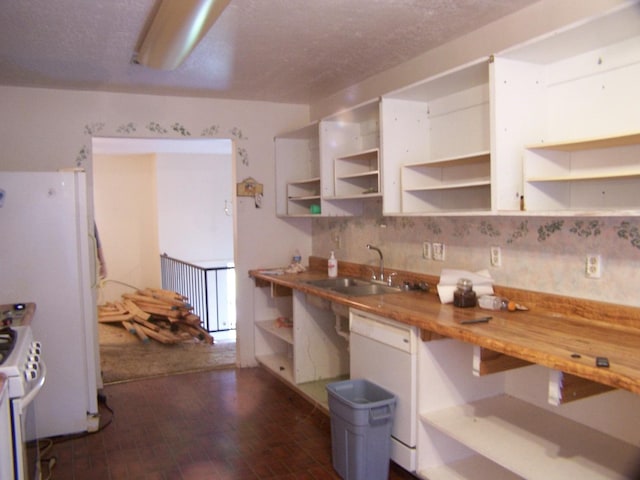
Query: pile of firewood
pixel 161 315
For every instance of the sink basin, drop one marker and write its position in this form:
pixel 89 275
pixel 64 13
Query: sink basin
pixel 353 286
pixel 370 289
pixel 339 282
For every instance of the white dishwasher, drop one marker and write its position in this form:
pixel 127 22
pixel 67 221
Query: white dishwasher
pixel 385 352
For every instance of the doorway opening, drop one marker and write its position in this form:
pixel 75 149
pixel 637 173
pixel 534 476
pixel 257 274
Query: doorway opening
pixel 168 198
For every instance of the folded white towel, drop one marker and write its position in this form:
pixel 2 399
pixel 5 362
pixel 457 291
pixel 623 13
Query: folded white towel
pixel 482 283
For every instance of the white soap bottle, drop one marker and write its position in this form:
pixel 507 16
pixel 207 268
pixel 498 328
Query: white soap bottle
pixel 332 265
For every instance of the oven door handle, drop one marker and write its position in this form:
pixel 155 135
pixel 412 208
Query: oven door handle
pixel 24 402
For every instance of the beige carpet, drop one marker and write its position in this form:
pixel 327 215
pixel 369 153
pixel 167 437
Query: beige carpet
pixel 123 357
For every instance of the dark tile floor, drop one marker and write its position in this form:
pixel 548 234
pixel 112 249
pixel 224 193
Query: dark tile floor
pixel 221 424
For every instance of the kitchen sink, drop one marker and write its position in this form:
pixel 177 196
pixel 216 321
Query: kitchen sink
pixel 339 282
pixel 353 286
pixel 370 289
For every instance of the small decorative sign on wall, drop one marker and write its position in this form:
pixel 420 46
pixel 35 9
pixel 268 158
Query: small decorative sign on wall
pixel 249 187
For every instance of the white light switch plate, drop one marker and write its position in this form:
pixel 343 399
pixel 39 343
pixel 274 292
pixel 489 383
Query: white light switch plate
pixel 438 251
pixel 426 250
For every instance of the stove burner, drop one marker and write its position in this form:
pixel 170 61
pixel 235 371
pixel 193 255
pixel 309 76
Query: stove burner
pixel 8 338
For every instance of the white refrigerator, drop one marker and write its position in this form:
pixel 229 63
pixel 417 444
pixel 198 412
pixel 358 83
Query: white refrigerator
pixel 47 256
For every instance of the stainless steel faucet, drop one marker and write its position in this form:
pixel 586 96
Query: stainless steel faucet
pixel 371 247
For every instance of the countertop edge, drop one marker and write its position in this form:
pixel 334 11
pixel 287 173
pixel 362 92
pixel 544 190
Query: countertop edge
pixel 503 333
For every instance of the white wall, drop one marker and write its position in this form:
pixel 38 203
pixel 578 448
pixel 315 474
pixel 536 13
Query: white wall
pixel 193 191
pixel 48 129
pixel 125 204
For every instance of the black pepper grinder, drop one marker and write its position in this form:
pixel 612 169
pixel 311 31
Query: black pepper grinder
pixel 464 296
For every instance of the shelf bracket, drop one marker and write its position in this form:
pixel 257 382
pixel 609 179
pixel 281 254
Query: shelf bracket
pixel 486 362
pixel 429 336
pixel 564 388
pixel 260 283
pixel 278 290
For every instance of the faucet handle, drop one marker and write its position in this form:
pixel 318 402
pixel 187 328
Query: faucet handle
pixel 373 274
pixel 390 278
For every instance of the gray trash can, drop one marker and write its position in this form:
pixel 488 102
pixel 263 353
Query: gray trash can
pixel 361 420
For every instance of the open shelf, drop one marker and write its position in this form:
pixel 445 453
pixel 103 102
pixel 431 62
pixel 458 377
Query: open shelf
pixel 301 195
pixel 579 141
pixel 279 364
pixel 451 185
pixel 297 158
pixel 270 326
pixel 308 188
pixel 451 199
pixel 317 392
pixel 468 159
pixel 598 173
pixel 436 137
pixel 357 174
pixel 591 143
pixel 350 142
pixel 533 442
pixel 461 183
pixel 472 468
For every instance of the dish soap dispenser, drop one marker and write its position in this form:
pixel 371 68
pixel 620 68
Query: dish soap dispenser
pixel 332 265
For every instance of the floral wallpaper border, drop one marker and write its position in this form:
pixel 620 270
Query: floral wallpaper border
pixel 492 230
pixel 176 129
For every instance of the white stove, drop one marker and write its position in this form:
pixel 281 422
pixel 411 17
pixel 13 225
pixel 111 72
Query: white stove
pixel 22 364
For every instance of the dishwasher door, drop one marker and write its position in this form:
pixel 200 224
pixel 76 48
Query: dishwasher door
pixel 385 352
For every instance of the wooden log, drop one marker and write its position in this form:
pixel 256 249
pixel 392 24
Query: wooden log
pixel 112 308
pixel 196 332
pixel 141 335
pixel 129 326
pixel 207 338
pixel 134 309
pixel 178 302
pixel 159 336
pixel 192 319
pixel 172 315
pixel 114 318
pixel 149 300
pixel 147 324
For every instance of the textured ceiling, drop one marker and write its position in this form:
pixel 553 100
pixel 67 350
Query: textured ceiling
pixel 292 51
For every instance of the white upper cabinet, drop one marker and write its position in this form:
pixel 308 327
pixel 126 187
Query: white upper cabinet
pixel 297 157
pixel 570 103
pixel 350 155
pixel 551 126
pixel 436 144
pixel 333 164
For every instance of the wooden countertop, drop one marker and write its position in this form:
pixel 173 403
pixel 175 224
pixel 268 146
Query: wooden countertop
pixel 541 336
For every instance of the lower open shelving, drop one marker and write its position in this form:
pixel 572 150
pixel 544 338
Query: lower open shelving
pixel 471 468
pixel 533 442
pixel 282 367
pixel 279 364
pixel 317 391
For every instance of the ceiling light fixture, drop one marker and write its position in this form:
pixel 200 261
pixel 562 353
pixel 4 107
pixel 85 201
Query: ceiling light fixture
pixel 174 30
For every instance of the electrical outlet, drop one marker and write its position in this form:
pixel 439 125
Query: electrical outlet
pixel 337 241
pixel 426 250
pixel 593 266
pixel 496 257
pixel 438 249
